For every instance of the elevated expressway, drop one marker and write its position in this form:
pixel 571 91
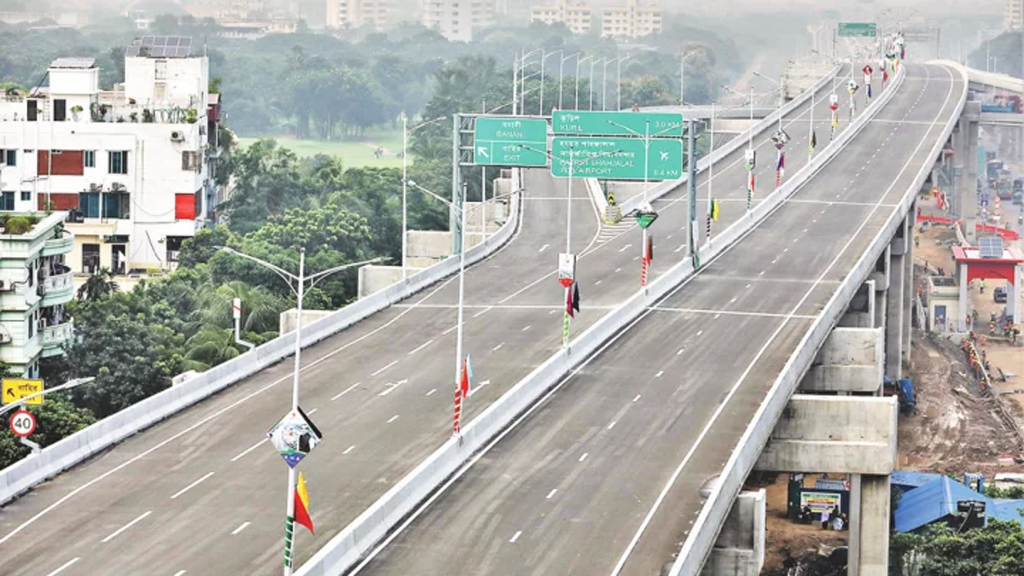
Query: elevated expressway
pixel 605 475
pixel 203 493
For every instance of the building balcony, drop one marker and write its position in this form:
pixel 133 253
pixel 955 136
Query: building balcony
pixel 57 288
pixel 55 337
pixel 58 246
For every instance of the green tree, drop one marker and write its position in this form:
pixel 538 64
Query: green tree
pixel 56 418
pixel 98 285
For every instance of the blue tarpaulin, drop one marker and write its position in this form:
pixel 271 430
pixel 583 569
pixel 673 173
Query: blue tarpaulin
pixel 936 500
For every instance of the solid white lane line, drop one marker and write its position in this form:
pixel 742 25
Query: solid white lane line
pixel 612 425
pixel 250 449
pixel 421 347
pixel 658 375
pixel 637 398
pixel 346 391
pixel 552 493
pixel 191 486
pixel 65 565
pixel 393 418
pixel 526 329
pixel 240 528
pixel 393 362
pixel 125 527
pixel 498 347
pixel 432 390
pixel 584 457
pixel 543 248
pixel 515 537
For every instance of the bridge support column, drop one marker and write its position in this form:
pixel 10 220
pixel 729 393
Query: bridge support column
pixel 895 303
pixel 967 162
pixel 869 526
pixel 880 278
pixel 850 361
pixel 739 550
pixel 909 288
pixel 861 312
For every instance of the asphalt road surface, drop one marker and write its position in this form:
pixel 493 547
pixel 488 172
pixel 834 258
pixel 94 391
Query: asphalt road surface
pixel 203 493
pixel 604 476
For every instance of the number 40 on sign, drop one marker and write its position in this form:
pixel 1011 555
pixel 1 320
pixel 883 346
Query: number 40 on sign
pixel 23 423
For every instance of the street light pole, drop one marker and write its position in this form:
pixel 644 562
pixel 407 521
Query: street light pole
pixel 405 177
pixel 618 82
pixel 593 62
pixel 561 74
pixel 604 85
pixel 578 62
pixel 543 59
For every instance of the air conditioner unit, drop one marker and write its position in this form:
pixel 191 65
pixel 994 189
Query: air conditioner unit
pixel 5 338
pixel 95 187
pixel 177 136
pixel 117 187
pixel 6 285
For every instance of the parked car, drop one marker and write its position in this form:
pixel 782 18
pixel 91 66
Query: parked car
pixel 999 295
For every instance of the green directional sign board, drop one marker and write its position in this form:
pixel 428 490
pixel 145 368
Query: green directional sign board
pixel 509 141
pixel 654 125
pixel 616 158
pixel 858 29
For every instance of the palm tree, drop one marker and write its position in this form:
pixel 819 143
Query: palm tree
pixel 211 346
pixel 97 286
pixel 260 308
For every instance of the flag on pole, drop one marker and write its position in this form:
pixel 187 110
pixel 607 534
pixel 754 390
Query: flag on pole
pixel 576 297
pixel 885 76
pixel 714 209
pixel 302 505
pixel 467 377
pixel 568 303
pixel 869 91
pixel 814 139
pixel 650 249
pixel 781 168
pixel 461 391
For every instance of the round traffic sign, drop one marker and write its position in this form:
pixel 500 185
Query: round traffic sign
pixel 23 423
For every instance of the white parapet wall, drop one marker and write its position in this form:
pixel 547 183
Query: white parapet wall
pixel 851 360
pixel 834 434
pixel 739 550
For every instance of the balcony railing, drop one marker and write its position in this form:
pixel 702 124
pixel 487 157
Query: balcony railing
pixel 57 282
pixel 54 337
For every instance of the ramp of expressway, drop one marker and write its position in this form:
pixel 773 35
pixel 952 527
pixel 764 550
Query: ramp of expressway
pixel 202 493
pixel 604 476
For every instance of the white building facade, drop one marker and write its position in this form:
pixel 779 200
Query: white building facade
pixel 132 166
pixel 1013 14
pixel 634 20
pixel 357 13
pixel 457 20
pixel 35 284
pixel 576 16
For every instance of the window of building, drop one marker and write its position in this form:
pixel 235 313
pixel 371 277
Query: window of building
pixel 32 112
pixel 190 161
pixel 89 157
pixel 115 206
pixel 117 162
pixel 6 200
pixel 60 110
pixel 26 196
pixel 10 157
pixel 89 204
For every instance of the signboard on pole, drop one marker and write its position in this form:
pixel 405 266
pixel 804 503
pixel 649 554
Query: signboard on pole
pixel 294 437
pixel 23 424
pixel 566 269
pixel 819 502
pixel 510 141
pixel 617 158
pixel 858 30
pixel 651 124
pixel 15 389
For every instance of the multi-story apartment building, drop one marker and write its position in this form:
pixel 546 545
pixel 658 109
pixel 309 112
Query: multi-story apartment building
pixel 1013 14
pixel 132 166
pixel 457 19
pixel 576 16
pixel 35 284
pixel 357 13
pixel 631 21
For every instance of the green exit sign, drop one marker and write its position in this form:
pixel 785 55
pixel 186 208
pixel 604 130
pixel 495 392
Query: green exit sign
pixel 587 123
pixel 610 158
pixel 510 141
pixel 858 29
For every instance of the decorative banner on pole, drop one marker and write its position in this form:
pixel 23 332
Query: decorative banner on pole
pixel 461 392
pixel 780 170
pixel 751 158
pixel 294 437
pixel 750 190
pixel 780 139
pixel 566 269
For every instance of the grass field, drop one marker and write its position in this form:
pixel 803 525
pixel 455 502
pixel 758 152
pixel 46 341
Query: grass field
pixel 352 152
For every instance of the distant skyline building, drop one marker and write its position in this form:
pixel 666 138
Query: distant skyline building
pixel 634 20
pixel 357 14
pixel 457 19
pixel 1013 15
pixel 575 15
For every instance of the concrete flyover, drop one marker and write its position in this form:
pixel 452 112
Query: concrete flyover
pixel 202 492
pixel 605 476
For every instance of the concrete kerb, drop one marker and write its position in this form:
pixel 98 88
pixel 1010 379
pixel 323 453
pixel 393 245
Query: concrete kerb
pixel 26 473
pixel 734 144
pixel 698 545
pixel 358 539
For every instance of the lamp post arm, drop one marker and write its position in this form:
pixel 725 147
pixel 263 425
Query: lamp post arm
pixel 284 274
pixel 315 278
pixel 66 386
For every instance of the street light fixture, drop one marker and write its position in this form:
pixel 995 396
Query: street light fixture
pixel 561 67
pixel 405 174
pixel 299 291
pixel 578 62
pixel 682 73
pixel 590 78
pixel 618 81
pixel 543 59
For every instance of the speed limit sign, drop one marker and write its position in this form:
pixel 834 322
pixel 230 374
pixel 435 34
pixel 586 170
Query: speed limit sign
pixel 23 423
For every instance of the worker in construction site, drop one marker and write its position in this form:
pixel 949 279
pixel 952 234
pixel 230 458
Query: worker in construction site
pixel 981 285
